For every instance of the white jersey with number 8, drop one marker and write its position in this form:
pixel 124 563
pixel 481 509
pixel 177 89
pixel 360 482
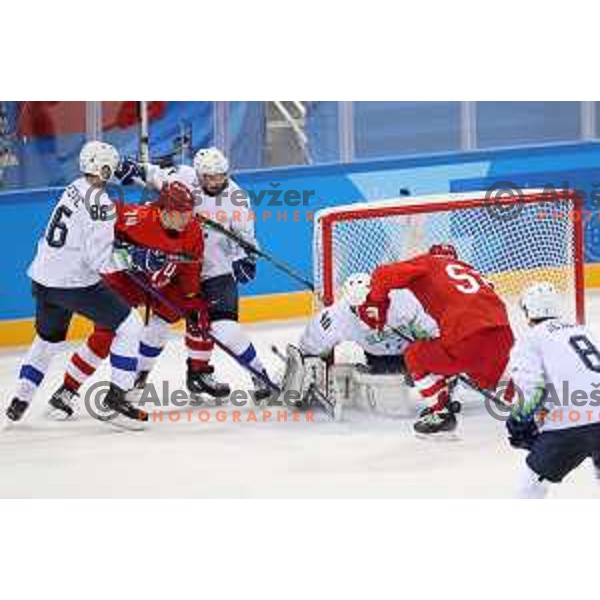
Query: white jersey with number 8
pixel 557 365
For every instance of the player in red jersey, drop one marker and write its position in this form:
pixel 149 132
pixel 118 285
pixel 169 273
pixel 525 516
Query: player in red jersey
pixel 475 334
pixel 161 245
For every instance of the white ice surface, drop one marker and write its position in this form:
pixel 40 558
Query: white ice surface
pixel 359 457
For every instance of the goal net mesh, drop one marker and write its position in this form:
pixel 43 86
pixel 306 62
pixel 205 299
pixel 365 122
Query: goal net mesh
pixel 533 241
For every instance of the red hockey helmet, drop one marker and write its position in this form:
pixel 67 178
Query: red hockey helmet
pixel 176 204
pixel 176 196
pixel 443 250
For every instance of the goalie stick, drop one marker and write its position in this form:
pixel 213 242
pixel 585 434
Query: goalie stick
pixel 182 314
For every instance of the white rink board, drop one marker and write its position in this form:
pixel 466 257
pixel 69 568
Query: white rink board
pixel 362 457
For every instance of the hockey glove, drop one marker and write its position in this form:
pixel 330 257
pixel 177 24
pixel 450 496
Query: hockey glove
pixel 127 170
pixel 244 269
pixel 146 259
pixel 163 276
pixel 522 431
pixel 374 314
pixel 128 257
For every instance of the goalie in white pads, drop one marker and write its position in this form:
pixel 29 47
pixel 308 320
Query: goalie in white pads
pixel 558 432
pixel 383 378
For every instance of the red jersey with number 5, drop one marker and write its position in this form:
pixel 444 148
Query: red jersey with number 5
pixel 451 291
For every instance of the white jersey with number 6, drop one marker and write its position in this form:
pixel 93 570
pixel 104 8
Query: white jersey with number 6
pixel 339 323
pixel 78 242
pixel 557 365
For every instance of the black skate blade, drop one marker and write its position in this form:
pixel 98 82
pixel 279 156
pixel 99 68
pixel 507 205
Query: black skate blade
pixel 8 424
pixel 439 436
pixel 54 414
pixel 210 401
pixel 123 423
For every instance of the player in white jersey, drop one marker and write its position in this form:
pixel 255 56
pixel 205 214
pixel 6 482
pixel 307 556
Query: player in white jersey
pixel 77 247
pixel 225 263
pixel 339 323
pixel 559 429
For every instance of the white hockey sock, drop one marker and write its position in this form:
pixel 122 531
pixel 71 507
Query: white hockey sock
pixel 154 337
pixel 34 367
pixel 124 351
pixel 530 487
pixel 232 335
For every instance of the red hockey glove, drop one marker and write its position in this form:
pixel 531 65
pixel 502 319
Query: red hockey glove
pixel 161 278
pixel 374 314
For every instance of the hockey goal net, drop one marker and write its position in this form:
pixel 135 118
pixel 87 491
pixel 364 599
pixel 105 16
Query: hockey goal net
pixel 512 240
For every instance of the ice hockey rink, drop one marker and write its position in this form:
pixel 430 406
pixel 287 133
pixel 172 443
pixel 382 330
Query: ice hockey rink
pixel 362 456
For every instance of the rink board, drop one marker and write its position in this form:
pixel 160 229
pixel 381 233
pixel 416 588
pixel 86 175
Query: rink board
pixel 285 229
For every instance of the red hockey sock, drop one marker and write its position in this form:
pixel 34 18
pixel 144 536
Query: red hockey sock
pixel 87 358
pixel 433 389
pixel 199 352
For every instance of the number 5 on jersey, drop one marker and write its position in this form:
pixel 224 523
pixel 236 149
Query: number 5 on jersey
pixel 468 281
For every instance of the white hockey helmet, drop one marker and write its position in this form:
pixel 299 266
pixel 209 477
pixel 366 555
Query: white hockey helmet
pixel 540 301
pixel 210 161
pixel 356 288
pixel 98 158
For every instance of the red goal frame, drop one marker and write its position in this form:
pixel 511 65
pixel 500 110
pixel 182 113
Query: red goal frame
pixel 407 206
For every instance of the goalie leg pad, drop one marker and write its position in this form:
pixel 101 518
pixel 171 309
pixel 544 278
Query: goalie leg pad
pixel 292 384
pixel 387 395
pixel 305 382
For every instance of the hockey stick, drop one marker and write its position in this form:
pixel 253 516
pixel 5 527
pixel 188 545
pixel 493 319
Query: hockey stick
pixel 252 249
pixel 144 142
pixel 182 315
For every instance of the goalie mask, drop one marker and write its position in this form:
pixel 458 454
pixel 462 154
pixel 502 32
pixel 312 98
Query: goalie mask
pixel 356 289
pixel 212 169
pixel 540 301
pixel 98 159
